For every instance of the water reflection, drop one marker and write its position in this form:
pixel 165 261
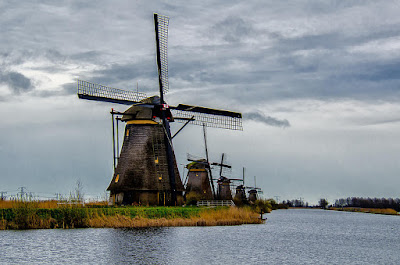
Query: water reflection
pixel 289 236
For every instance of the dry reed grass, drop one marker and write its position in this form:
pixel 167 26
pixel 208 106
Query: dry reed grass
pixel 209 217
pixel 5 204
pixel 34 215
pixel 97 203
pixel 367 210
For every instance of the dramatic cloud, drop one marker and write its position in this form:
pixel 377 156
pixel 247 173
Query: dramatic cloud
pixel 331 68
pixel 18 83
pixel 233 29
pixel 259 117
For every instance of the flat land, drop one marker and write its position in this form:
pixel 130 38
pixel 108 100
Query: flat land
pixel 29 216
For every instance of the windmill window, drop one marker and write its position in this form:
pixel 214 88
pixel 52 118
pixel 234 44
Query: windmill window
pixel 127 132
pixel 117 178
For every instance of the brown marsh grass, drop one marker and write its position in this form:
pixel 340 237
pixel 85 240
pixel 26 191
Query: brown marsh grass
pixel 34 215
pixel 5 204
pixel 208 217
pixel 387 211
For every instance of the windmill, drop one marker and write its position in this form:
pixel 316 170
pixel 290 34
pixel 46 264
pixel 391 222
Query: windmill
pixel 254 191
pixel 224 184
pixel 146 172
pixel 199 176
pixel 240 194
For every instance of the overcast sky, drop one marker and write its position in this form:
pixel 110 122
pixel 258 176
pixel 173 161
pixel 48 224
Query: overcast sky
pixel 317 82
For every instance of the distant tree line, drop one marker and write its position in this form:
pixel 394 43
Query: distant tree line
pixel 295 203
pixel 379 203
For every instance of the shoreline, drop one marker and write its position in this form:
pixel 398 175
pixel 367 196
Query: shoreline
pixel 26 217
pixel 387 211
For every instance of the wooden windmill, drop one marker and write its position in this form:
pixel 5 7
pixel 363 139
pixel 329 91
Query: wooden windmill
pixel 254 191
pixel 199 175
pixel 224 184
pixel 240 193
pixel 146 172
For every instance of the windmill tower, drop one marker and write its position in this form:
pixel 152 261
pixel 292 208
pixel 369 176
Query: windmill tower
pixel 223 183
pixel 198 180
pixel 240 194
pixel 254 192
pixel 146 172
pixel 199 175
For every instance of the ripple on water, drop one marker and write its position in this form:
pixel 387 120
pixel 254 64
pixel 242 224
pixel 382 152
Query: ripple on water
pixel 288 237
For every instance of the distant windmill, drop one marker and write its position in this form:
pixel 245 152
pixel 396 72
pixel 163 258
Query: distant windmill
pixel 199 175
pixel 240 194
pixel 224 184
pixel 146 172
pixel 254 191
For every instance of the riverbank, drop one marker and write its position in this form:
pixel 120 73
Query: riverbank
pixel 366 210
pixel 27 216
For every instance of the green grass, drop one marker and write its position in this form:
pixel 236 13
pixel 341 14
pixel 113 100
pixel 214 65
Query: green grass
pixel 35 215
pixel 27 216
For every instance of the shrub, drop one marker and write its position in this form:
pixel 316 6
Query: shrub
pixel 192 198
pixel 262 205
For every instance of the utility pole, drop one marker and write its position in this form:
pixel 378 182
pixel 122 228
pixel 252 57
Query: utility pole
pixel 113 136
pixel 277 198
pixel 3 196
pixel 22 192
pixel 58 196
pixel 117 152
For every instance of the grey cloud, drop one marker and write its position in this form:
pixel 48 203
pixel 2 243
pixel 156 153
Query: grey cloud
pixel 257 116
pixel 233 29
pixel 88 56
pixel 16 82
pixel 126 75
pixel 67 89
pixel 70 88
pixel 381 122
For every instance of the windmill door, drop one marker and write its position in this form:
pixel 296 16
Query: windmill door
pixel 161 198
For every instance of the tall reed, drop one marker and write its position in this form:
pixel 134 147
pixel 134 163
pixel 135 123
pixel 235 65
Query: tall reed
pixel 24 215
pixel 387 211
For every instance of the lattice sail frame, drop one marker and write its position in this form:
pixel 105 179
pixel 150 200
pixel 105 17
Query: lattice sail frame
pixel 210 120
pixel 94 91
pixel 163 22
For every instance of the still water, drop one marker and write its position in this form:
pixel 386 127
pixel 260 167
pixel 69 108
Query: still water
pixel 288 237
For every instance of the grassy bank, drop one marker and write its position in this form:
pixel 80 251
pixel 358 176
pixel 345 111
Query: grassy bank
pixel 366 210
pixel 29 215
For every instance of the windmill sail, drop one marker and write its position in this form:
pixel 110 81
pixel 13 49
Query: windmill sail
pixel 92 91
pixel 209 117
pixel 161 27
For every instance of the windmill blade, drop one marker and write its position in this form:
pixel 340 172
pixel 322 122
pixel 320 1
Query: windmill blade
pixel 161 30
pixel 161 27
pixel 218 164
pixel 92 91
pixel 210 117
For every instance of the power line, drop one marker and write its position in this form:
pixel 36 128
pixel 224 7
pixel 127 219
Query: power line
pixel 22 192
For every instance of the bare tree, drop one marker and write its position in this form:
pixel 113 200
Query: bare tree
pixel 323 203
pixel 78 195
